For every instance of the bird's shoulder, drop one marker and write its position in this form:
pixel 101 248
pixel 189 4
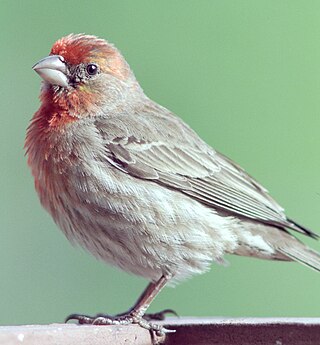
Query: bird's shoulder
pixel 148 123
pixel 154 137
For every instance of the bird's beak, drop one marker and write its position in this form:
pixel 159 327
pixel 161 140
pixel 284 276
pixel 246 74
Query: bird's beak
pixel 53 70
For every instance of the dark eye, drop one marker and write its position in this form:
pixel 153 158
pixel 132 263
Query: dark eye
pixel 92 69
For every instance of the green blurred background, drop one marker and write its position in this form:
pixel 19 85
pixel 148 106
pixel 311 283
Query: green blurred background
pixel 244 74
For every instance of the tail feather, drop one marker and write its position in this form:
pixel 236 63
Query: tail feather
pixel 285 245
pixel 302 254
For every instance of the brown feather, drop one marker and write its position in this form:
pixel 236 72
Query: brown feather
pixel 189 165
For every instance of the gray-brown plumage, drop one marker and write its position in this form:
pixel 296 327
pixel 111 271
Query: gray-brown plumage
pixel 133 184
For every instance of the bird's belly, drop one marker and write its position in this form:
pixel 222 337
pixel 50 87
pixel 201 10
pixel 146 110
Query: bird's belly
pixel 140 226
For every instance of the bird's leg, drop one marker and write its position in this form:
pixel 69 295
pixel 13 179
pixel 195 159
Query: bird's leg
pixel 150 316
pixel 135 314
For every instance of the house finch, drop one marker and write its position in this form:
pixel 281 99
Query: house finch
pixel 137 187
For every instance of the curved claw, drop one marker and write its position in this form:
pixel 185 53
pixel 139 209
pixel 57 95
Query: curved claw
pixel 161 315
pixel 161 331
pixel 82 319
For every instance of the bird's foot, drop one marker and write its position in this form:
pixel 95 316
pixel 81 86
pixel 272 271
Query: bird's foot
pixel 126 319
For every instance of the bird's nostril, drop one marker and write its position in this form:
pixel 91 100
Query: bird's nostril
pixel 61 58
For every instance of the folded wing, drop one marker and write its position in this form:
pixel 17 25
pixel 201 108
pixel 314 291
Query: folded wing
pixel 185 163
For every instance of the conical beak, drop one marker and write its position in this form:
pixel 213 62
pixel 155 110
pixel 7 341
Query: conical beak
pixel 53 70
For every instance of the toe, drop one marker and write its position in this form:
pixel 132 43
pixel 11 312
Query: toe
pixel 82 319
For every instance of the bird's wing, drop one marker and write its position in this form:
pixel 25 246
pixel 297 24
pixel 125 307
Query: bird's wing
pixel 168 152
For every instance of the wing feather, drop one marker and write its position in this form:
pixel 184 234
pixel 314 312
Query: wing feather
pixel 170 153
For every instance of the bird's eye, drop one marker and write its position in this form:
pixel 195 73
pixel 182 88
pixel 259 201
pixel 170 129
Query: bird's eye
pixel 92 69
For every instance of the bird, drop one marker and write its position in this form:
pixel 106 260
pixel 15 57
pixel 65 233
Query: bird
pixel 133 184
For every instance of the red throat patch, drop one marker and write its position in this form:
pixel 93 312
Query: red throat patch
pixel 61 109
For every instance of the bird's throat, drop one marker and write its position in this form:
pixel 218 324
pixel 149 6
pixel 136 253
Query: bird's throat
pixel 61 106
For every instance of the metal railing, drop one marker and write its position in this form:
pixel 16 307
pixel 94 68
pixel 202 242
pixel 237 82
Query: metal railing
pixel 189 331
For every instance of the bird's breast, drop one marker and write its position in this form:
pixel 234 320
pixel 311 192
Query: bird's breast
pixel 138 225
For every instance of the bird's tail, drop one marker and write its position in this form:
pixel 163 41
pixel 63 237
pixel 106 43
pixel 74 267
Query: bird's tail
pixel 301 253
pixel 284 244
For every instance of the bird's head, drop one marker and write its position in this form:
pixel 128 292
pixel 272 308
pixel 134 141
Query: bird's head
pixel 84 72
